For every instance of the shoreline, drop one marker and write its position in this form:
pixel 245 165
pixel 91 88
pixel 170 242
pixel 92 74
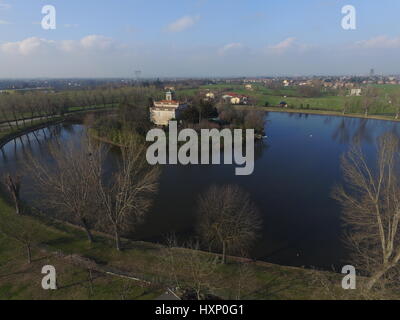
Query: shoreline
pixel 8 137
pixel 103 140
pixel 20 132
pixel 318 112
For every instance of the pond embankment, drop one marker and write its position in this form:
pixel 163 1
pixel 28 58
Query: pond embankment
pixel 318 112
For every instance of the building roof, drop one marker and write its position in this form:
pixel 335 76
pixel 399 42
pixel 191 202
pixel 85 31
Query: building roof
pixel 232 94
pixel 168 101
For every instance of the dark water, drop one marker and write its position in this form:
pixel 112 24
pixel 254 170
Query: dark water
pixel 296 167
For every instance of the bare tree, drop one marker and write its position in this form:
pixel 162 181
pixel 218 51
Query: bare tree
pixel 24 230
pixel 347 105
pixel 193 273
pixel 228 220
pixel 371 208
pixel 395 102
pixel 69 183
pixel 369 99
pixel 246 276
pixel 127 198
pixel 255 119
pixel 14 187
pixel 5 110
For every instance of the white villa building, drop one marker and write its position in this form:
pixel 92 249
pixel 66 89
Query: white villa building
pixel 234 98
pixel 210 96
pixel 166 110
pixel 355 92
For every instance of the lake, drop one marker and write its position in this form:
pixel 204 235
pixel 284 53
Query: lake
pixel 296 166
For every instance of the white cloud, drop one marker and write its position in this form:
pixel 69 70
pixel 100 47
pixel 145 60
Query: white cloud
pixel 4 22
pixel 284 45
pixel 68 45
pixel 88 43
pixel 289 44
pixel 100 56
pixel 380 42
pixel 182 23
pixel 96 42
pixel 229 47
pixel 34 45
pixel 26 46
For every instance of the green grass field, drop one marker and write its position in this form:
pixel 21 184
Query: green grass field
pixel 20 280
pixel 262 95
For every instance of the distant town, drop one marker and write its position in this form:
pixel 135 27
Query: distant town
pixel 335 82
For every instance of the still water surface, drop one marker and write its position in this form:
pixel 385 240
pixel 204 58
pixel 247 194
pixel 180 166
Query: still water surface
pixel 296 167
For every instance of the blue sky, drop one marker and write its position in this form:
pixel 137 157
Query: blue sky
pixel 198 38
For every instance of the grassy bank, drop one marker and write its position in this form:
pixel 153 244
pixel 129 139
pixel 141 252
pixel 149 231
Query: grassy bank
pixel 20 280
pixel 26 117
pixel 8 133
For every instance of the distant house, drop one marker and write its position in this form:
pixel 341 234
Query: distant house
pixel 327 84
pixel 283 104
pixel 234 98
pixel 210 96
pixel 165 110
pixel 355 92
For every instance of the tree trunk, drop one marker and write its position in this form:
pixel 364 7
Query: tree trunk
pixel 29 252
pixel 90 282
pixel 15 119
pixel 117 240
pixel 379 274
pixel 223 252
pixel 17 207
pixel 8 121
pixel 375 277
pixel 198 295
pixel 87 230
pixel 14 188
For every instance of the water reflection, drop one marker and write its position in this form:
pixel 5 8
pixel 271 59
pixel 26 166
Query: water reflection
pixel 296 166
pixel 355 130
